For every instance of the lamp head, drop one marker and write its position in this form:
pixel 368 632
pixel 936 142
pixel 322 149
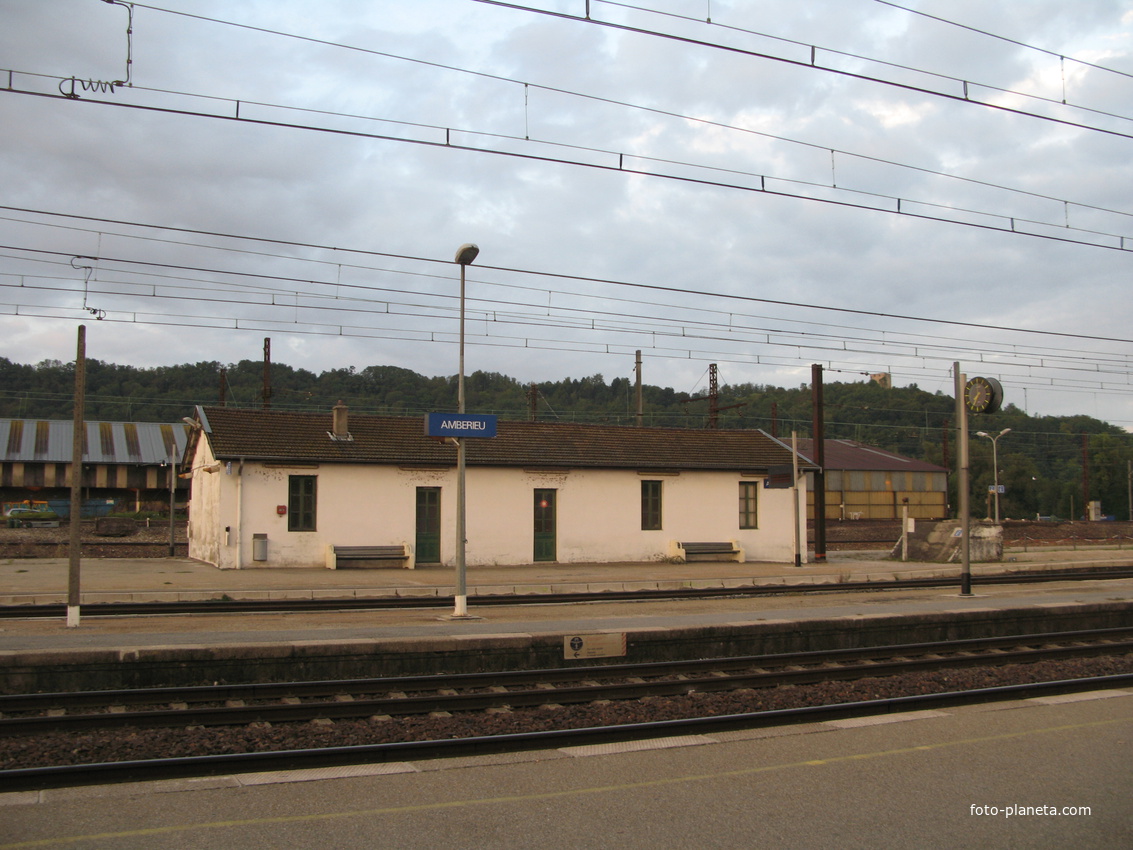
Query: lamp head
pixel 466 253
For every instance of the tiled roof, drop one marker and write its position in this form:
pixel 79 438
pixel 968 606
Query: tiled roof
pixel 304 437
pixel 51 441
pixel 851 455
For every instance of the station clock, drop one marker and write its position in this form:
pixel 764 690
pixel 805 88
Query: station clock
pixel 983 395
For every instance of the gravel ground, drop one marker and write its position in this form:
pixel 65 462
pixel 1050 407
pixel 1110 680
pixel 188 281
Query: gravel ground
pixel 152 541
pixel 126 744
pixel 145 542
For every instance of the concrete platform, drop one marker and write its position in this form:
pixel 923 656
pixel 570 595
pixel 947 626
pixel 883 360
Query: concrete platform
pixel 134 651
pixel 44 581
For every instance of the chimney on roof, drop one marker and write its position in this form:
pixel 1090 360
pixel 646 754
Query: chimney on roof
pixel 339 429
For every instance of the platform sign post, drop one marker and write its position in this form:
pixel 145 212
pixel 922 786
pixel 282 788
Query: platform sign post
pixel 458 427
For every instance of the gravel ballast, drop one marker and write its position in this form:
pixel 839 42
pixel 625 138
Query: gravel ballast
pixel 127 744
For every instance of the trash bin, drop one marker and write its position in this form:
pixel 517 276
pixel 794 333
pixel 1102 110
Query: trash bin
pixel 259 547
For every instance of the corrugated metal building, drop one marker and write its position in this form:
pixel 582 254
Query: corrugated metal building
pixel 864 482
pixel 127 461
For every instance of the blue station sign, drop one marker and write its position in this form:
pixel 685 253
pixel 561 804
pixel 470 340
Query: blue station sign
pixel 459 425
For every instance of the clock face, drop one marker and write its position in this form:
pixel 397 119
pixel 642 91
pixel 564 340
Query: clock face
pixel 983 395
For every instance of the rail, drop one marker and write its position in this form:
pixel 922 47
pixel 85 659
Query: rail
pixel 236 704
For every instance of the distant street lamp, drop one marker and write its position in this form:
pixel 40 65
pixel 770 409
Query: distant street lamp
pixel 465 254
pixel 995 462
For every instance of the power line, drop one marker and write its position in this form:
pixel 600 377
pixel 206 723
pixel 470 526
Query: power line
pixel 727 321
pixel 1003 38
pixel 621 103
pixel 615 320
pixel 964 97
pixel 1008 224
pixel 655 332
pixel 571 277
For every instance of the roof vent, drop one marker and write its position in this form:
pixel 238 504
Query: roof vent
pixel 339 431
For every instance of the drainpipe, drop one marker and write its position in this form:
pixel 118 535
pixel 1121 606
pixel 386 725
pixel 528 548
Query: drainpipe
pixel 240 515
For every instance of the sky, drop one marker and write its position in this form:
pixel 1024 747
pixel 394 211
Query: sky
pixel 874 187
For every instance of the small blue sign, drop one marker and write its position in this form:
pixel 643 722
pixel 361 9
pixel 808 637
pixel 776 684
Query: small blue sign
pixel 459 425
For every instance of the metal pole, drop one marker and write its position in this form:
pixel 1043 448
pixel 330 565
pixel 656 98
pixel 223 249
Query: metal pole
pixel 465 254
pixel 76 529
pixel 639 399
pixel 461 603
pixel 795 496
pixel 962 467
pixel 819 416
pixel 995 477
pixel 172 491
pixel 905 529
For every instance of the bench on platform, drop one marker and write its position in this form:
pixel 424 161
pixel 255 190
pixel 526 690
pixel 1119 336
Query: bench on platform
pixel 707 551
pixel 369 557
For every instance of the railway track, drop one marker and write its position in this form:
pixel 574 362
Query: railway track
pixel 291 702
pixel 263 606
pixel 303 702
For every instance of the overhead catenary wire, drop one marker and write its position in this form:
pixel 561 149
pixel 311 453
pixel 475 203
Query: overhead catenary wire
pixel 1002 223
pixel 725 296
pixel 1003 38
pixel 506 312
pixel 528 84
pixel 727 320
pixel 885 344
pixel 727 324
pixel 833 347
pixel 813 48
pixel 247 286
pixel 962 96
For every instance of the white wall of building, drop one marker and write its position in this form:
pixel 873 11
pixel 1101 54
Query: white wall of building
pixel 598 513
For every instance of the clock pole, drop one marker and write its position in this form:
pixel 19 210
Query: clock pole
pixel 963 487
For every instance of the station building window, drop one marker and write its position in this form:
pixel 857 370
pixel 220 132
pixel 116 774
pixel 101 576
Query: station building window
pixel 749 504
pixel 301 492
pixel 650 505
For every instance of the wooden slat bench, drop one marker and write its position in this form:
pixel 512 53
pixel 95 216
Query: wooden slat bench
pixel 368 557
pixel 708 551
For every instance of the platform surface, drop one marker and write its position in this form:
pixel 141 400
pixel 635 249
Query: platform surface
pixel 141 580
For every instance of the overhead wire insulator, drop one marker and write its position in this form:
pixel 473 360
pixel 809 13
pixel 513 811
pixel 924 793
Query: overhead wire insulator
pixel 70 86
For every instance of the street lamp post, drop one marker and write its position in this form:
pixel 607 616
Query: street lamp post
pixel 995 463
pixel 465 254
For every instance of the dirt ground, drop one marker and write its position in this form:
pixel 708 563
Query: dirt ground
pixel 867 534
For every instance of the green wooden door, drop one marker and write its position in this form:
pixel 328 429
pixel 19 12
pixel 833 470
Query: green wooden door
pixel 428 542
pixel 545 547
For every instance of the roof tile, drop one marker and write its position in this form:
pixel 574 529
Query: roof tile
pixel 305 437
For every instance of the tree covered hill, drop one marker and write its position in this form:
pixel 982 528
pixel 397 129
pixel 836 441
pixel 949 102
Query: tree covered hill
pixel 1048 464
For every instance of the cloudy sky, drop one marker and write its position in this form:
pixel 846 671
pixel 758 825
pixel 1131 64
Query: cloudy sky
pixel 765 184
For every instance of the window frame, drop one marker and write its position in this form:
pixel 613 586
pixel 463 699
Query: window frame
pixel 651 505
pixel 302 507
pixel 749 505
